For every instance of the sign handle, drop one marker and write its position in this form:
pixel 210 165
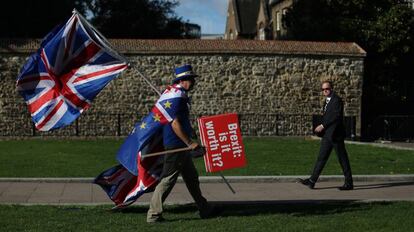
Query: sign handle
pixel 228 184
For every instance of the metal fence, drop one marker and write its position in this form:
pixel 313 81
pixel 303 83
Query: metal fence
pixel 110 124
pixel 349 123
pixel 392 128
pixel 386 127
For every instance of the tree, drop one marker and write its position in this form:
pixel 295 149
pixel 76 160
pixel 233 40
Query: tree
pixel 114 18
pixel 136 18
pixel 35 18
pixel 383 28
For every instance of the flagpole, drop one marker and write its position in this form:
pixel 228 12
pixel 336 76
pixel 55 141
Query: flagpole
pixel 108 45
pixel 146 80
pixel 103 41
pixel 167 152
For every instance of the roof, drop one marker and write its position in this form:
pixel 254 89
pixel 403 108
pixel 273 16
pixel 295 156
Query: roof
pixel 267 13
pixel 247 11
pixel 196 46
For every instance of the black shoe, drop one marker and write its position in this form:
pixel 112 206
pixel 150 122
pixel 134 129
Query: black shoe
pixel 213 211
pixel 308 182
pixel 346 187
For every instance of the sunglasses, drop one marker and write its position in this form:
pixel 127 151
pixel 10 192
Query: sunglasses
pixel 326 89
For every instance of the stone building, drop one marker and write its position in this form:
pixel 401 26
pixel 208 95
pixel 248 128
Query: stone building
pixel 261 19
pixel 278 11
pixel 241 19
pixel 264 22
pixel 274 86
pixel 256 19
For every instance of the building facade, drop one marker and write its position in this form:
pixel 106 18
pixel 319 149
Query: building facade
pixel 256 19
pixel 241 19
pixel 268 16
pixel 278 11
pixel 264 25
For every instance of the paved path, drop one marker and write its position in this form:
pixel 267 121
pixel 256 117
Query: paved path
pixel 61 193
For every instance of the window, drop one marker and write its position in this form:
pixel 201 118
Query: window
pixel 262 35
pixel 278 21
pixel 284 11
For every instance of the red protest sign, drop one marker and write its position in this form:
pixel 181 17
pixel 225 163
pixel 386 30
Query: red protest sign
pixel 221 136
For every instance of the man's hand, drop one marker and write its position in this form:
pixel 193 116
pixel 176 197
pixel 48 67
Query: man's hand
pixel 199 151
pixel 193 145
pixel 319 128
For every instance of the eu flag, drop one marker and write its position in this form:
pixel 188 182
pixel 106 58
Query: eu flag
pixel 142 173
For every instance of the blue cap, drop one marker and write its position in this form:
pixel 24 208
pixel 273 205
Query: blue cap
pixel 183 72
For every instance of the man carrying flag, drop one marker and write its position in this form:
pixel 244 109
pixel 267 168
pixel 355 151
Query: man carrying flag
pixel 177 134
pixel 167 126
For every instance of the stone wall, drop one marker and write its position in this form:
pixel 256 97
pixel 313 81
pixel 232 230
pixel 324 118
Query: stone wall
pixel 275 93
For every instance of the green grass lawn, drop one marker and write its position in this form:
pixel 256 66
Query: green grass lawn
pixel 265 156
pixel 266 216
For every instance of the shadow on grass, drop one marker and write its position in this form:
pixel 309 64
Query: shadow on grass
pixel 296 208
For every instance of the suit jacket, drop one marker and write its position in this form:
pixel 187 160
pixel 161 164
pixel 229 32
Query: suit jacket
pixel 333 119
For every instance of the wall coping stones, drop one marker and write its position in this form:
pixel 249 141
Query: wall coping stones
pixel 173 46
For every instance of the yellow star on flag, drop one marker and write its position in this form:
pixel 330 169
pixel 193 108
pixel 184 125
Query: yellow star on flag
pixel 167 104
pixel 143 125
pixel 157 118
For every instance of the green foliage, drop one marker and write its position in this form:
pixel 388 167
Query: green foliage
pixel 136 18
pixel 114 18
pixel 35 18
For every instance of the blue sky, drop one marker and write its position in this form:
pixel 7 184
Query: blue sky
pixel 209 14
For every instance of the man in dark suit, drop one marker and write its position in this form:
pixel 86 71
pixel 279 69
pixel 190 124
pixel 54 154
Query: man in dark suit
pixel 332 131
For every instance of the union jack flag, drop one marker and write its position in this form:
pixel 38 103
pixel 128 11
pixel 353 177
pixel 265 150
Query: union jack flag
pixel 138 174
pixel 73 64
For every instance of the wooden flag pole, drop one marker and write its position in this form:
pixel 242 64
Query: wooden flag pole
pixel 186 149
pixel 146 80
pixel 167 152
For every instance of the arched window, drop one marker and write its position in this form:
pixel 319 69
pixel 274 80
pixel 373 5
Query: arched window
pixel 284 11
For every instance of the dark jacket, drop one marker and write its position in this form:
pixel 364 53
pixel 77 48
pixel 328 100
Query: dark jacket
pixel 333 118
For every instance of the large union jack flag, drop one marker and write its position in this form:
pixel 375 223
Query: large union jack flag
pixel 74 63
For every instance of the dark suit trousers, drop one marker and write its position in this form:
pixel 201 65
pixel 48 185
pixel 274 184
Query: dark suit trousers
pixel 324 152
